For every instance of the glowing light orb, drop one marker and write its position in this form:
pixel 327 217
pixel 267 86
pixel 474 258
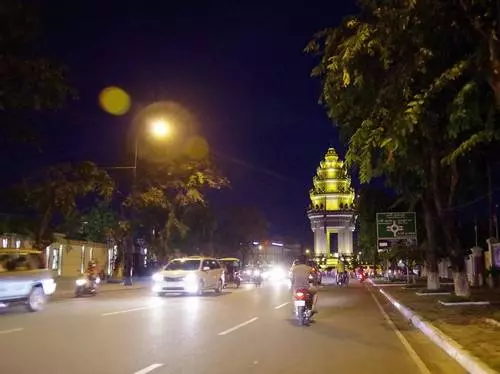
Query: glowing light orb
pixel 115 101
pixel 161 128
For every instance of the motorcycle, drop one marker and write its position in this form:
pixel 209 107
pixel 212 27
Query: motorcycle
pixel 257 277
pixel 303 306
pixel 86 286
pixel 343 280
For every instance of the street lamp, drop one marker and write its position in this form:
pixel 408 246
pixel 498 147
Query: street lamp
pixel 158 128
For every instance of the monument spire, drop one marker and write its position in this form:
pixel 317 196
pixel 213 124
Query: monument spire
pixel 332 206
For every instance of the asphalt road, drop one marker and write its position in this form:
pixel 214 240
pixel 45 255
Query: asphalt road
pixel 242 331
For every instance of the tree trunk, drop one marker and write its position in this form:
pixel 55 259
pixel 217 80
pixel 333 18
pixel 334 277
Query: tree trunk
pixel 454 247
pixel 431 250
pixel 42 228
pixel 494 66
pixel 461 284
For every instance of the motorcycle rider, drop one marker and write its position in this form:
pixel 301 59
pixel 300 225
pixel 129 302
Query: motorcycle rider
pixel 92 272
pixel 257 273
pixel 300 279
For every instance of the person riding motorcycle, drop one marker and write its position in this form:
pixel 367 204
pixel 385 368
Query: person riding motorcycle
pixel 92 272
pixel 300 279
pixel 257 273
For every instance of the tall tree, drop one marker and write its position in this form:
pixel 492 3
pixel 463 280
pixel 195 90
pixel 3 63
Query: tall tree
pixel 52 196
pixel 400 80
pixel 165 193
pixel 202 225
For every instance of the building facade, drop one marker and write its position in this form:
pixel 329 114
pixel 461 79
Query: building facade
pixel 66 257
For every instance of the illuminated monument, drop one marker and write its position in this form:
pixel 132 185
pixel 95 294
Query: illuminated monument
pixel 332 207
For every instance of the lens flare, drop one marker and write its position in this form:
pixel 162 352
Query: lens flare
pixel 115 101
pixel 197 148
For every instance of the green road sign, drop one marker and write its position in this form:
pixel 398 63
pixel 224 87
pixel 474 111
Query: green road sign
pixel 396 226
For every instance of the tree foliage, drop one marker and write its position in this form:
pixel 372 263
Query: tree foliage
pixel 166 194
pixel 52 196
pixel 408 83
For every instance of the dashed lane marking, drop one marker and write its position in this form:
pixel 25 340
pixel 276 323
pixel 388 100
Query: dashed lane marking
pixel 225 332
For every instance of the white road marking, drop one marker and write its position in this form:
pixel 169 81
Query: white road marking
pixel 225 332
pixel 11 330
pixel 282 305
pixel 411 352
pixel 149 368
pixel 130 310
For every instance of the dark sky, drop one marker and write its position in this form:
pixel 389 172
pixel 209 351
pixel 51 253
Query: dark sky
pixel 238 66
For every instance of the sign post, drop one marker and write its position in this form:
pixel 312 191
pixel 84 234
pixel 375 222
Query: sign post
pixel 396 228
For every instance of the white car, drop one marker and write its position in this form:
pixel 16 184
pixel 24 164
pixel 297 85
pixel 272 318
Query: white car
pixel 189 275
pixel 24 279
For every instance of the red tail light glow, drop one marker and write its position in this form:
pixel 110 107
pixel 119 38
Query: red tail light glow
pixel 299 295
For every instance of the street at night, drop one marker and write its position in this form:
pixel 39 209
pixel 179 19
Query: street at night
pixel 245 330
pixel 249 187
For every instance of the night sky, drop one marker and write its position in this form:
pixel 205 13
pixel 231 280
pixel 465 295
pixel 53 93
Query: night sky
pixel 239 67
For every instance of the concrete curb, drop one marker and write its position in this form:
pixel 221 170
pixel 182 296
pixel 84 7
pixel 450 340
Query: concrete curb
pixel 492 321
pixel 455 350
pixel 71 293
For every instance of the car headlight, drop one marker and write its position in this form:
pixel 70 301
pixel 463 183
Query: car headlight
pixel 157 277
pixel 81 281
pixel 98 280
pixel 191 278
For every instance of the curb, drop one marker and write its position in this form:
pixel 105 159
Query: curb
pixel 68 294
pixel 451 347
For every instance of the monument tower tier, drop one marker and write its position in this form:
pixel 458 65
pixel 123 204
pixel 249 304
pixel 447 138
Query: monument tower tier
pixel 332 207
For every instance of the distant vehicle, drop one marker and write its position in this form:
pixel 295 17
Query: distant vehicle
pixel 87 286
pixel 24 279
pixel 232 270
pixel 192 275
pixel 316 276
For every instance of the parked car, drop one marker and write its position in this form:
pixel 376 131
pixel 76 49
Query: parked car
pixel 189 275
pixel 24 279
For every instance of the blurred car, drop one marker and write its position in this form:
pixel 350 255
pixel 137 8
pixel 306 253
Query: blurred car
pixel 24 279
pixel 189 275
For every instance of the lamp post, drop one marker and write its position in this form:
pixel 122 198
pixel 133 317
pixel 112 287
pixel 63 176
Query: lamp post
pixel 158 128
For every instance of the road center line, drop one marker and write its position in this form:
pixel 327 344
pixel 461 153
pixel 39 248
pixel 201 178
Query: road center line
pixel 130 310
pixel 282 305
pixel 411 352
pixel 11 330
pixel 148 369
pixel 225 332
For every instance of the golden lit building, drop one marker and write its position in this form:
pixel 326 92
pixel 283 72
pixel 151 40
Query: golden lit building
pixel 332 207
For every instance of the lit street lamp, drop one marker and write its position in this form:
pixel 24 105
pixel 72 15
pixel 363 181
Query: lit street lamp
pixel 158 128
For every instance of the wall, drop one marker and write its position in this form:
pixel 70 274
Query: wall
pixel 65 257
pixel 70 257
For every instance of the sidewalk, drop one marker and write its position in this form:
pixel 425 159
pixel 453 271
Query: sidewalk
pixel 66 286
pixel 461 331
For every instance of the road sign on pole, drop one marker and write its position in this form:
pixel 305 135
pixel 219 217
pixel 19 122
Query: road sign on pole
pixel 396 227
